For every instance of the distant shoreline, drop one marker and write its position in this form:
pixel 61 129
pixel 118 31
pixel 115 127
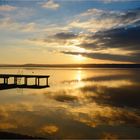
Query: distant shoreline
pixel 74 65
pixel 11 135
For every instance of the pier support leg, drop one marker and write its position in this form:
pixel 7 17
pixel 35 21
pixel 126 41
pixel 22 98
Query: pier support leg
pixel 38 81
pixel 15 80
pixel 46 81
pixel 25 80
pixel 5 80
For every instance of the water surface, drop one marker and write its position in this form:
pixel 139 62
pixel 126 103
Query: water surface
pixel 80 103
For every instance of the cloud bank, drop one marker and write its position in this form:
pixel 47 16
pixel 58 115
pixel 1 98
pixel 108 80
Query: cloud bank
pixel 111 35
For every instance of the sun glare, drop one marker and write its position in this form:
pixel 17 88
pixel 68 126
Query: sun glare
pixel 79 57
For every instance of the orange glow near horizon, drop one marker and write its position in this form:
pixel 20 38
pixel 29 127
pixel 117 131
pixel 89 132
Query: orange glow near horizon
pixel 79 58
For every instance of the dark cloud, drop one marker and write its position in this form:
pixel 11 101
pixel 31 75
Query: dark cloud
pixel 131 15
pixel 64 35
pixel 89 46
pixel 121 18
pixel 125 38
pixel 105 56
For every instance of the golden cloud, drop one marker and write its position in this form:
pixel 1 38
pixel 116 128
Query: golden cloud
pixel 51 129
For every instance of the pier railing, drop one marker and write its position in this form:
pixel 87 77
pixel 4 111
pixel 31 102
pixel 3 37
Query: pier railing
pixel 15 84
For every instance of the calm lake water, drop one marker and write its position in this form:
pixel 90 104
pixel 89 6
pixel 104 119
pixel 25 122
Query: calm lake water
pixel 80 103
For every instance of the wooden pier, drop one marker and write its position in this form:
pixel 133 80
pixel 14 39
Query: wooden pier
pixel 16 77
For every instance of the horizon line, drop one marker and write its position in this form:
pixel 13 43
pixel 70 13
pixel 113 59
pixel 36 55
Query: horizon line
pixel 89 65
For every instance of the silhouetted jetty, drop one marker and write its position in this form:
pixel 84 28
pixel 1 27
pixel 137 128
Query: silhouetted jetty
pixel 25 84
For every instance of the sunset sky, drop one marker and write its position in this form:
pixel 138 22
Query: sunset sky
pixel 69 31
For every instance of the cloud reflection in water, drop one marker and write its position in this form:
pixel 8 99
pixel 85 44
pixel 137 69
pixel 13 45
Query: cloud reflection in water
pixel 106 105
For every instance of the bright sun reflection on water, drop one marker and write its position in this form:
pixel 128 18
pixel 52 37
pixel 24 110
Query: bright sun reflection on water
pixel 79 76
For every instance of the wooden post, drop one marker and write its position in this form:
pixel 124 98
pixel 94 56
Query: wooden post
pixel 38 81
pixel 25 80
pixel 4 80
pixel 15 80
pixel 47 81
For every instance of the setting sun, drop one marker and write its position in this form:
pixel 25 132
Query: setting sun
pixel 79 57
